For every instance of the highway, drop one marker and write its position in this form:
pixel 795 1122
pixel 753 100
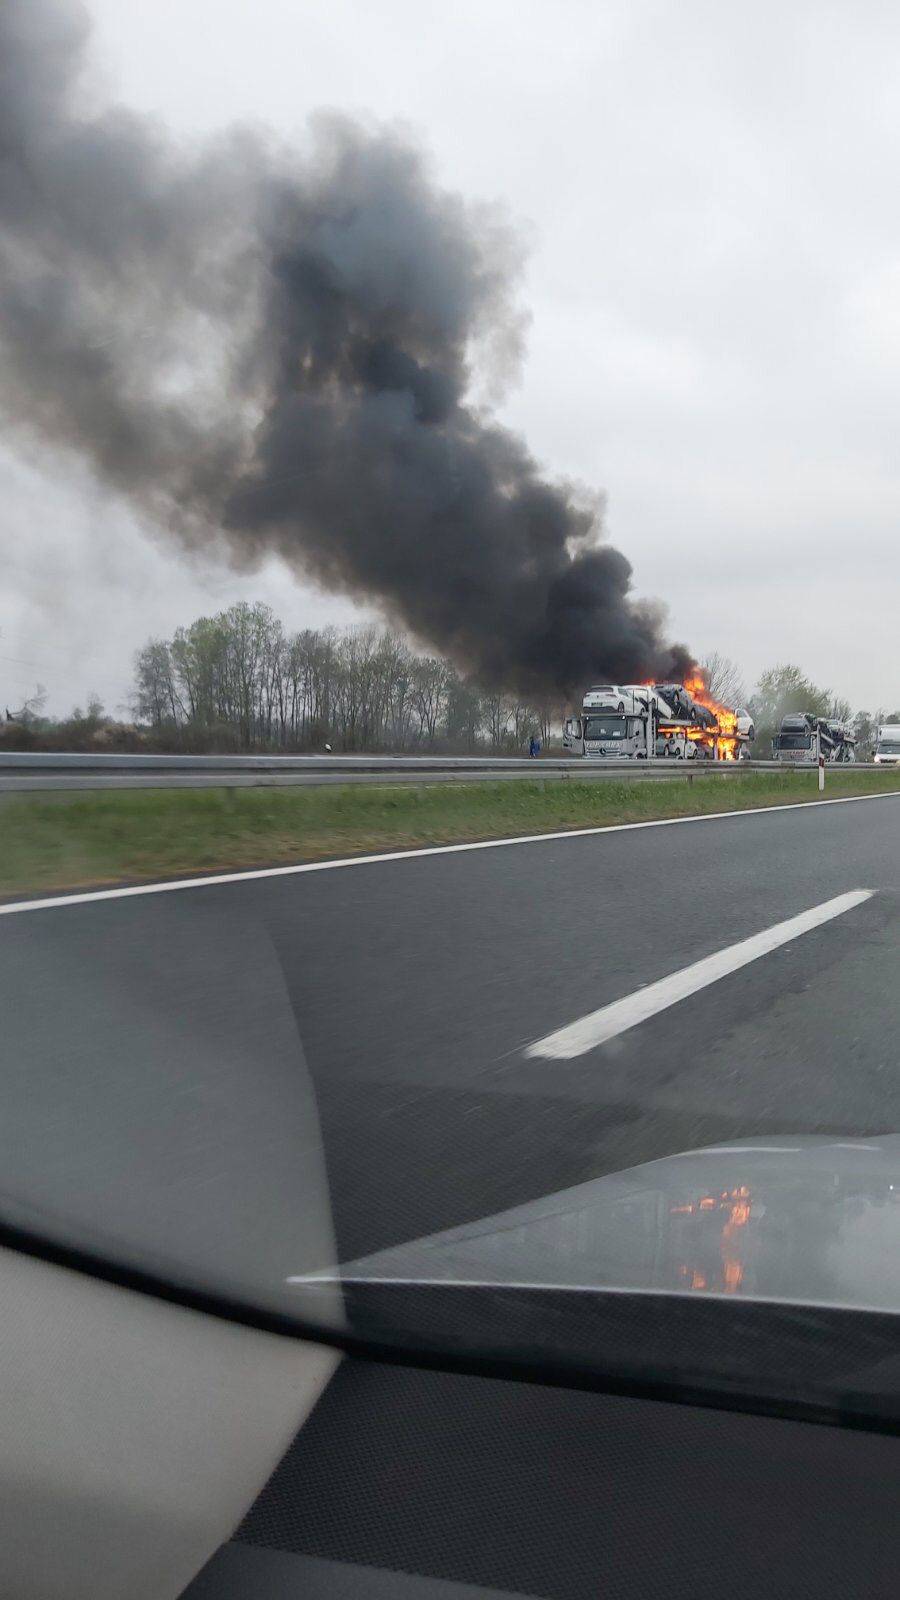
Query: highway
pixel 419 992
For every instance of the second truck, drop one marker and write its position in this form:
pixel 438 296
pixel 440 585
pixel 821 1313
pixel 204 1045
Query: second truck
pixel 805 740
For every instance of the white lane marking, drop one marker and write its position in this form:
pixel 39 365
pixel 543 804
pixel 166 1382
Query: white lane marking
pixel 598 1026
pixel 51 902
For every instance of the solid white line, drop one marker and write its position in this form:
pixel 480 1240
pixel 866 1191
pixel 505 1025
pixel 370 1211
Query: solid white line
pixel 51 902
pixel 598 1026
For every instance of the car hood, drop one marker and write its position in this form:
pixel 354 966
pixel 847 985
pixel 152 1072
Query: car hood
pixel 804 1220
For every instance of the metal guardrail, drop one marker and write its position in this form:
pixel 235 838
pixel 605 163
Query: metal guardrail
pixel 32 771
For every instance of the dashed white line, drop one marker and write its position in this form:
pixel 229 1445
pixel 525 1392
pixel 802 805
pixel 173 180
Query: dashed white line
pixel 598 1026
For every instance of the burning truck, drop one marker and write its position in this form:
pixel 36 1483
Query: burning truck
pixel 646 721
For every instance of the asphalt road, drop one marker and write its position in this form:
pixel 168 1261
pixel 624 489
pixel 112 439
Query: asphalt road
pixel 416 985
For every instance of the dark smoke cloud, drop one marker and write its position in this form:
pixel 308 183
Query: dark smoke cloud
pixel 278 349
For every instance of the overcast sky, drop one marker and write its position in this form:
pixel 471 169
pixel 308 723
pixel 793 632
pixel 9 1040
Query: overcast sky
pixel 713 283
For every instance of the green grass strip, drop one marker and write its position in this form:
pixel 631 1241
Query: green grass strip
pixel 100 837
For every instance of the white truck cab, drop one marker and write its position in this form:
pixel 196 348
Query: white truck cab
pixel 616 721
pixel 605 734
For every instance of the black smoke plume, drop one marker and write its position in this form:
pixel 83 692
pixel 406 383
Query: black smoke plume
pixel 277 350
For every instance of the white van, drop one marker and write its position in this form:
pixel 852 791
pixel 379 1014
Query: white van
pixel 887 750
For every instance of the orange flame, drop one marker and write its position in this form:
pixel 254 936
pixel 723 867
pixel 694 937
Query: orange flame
pixel 734 1207
pixel 726 719
pixel 739 1206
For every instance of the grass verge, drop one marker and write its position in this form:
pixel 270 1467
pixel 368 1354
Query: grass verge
pixel 101 837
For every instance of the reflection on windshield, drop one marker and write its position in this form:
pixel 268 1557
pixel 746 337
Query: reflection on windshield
pixel 714 1258
pixel 807 1219
pixel 605 728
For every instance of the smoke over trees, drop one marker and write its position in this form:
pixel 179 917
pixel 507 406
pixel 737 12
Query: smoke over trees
pixel 275 350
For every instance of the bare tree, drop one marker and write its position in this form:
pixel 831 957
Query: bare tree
pixel 464 713
pixel 431 679
pixel 545 714
pixel 523 722
pixel 497 712
pixel 156 699
pixel 30 710
pixel 236 680
pixel 724 679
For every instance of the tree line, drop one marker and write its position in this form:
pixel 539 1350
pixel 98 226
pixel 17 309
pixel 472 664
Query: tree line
pixel 240 681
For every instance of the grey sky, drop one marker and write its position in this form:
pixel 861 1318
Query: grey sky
pixel 714 286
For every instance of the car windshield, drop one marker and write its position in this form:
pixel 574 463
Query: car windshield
pixel 605 728
pixel 376 382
